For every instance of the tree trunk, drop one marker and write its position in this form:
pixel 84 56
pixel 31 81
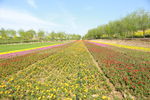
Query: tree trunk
pixel 132 34
pixel 144 33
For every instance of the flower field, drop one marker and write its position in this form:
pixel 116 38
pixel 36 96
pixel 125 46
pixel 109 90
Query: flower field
pixel 69 72
pixel 127 69
pixel 10 63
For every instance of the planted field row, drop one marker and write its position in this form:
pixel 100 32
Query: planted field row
pixel 10 65
pixel 19 46
pixel 120 45
pixel 127 69
pixel 67 74
pixel 11 54
pixel 28 48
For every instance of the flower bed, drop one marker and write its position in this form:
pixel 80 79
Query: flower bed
pixel 126 71
pixel 69 74
pixel 10 63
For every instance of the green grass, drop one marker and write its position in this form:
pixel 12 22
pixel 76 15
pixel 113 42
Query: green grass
pixel 12 47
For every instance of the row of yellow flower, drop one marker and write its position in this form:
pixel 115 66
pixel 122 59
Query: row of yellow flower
pixel 123 46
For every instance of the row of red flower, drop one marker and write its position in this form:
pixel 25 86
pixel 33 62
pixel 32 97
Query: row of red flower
pixel 126 71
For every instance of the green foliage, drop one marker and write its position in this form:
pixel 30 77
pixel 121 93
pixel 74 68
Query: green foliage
pixel 11 33
pixel 30 34
pixel 3 34
pixel 22 34
pixel 41 34
pixel 12 36
pixel 63 36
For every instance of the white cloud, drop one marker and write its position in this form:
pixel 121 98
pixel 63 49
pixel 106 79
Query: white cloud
pixel 15 19
pixel 22 20
pixel 32 3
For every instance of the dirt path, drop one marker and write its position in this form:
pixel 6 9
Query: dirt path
pixel 118 94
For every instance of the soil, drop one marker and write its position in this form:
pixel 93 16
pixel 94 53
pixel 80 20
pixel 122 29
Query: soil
pixel 115 93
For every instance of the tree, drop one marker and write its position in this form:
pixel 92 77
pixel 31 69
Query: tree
pixel 53 35
pixel 11 33
pixel 22 34
pixel 30 34
pixel 61 35
pixel 3 33
pixel 144 20
pixel 41 34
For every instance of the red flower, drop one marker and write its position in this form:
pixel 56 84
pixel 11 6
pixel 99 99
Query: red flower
pixel 125 78
pixel 135 70
pixel 133 86
pixel 129 67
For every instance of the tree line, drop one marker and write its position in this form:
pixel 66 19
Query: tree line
pixel 10 35
pixel 126 27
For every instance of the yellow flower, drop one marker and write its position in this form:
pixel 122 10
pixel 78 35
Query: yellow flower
pixel 1 92
pixel 66 84
pixel 3 85
pixel 9 95
pixel 68 99
pixel 10 79
pixel 54 89
pixel 37 88
pixel 51 96
pixel 85 90
pixel 39 98
pixel 105 97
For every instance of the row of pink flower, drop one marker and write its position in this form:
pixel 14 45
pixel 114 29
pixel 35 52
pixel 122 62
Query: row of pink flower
pixel 9 55
pixel 99 44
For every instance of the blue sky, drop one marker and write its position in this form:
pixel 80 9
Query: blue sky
pixel 71 16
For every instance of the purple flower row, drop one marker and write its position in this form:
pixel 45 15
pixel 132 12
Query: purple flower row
pixel 99 44
pixel 9 55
